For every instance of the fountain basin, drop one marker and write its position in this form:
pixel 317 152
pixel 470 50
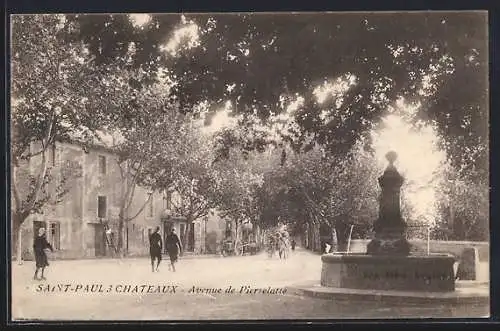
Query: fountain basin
pixel 425 273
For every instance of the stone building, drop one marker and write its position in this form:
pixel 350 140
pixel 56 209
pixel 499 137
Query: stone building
pixel 85 224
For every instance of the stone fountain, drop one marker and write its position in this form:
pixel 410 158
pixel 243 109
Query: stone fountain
pixel 388 263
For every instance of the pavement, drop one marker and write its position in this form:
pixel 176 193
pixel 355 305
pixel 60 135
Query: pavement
pixel 247 287
pixel 475 294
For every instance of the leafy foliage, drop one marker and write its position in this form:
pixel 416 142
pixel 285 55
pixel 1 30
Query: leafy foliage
pixel 303 95
pixel 416 56
pixel 54 96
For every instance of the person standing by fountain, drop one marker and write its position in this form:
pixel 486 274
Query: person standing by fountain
pixel 40 244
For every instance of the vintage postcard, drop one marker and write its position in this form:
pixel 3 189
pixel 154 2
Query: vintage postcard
pixel 224 166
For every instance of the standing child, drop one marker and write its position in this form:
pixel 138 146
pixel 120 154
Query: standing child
pixel 40 244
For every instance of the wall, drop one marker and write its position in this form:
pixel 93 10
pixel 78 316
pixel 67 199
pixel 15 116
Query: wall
pixel 77 214
pixel 451 247
pixel 68 213
pixel 149 218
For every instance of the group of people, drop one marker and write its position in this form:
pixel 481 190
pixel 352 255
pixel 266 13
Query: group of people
pixel 172 243
pixel 280 241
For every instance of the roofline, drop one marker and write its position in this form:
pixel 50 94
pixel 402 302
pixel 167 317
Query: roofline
pixel 93 146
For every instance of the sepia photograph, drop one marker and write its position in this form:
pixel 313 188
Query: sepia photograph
pixel 249 166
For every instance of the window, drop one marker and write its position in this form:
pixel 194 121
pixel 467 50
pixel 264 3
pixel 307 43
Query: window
pixel 55 235
pixel 102 164
pixel 229 232
pixel 101 206
pixel 150 207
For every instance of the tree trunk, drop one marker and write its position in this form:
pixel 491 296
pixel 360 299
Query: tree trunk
pixel 119 246
pixel 186 234
pixel 236 234
pixel 16 248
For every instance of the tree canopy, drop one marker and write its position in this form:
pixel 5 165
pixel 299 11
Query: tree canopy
pixel 263 62
pixel 293 101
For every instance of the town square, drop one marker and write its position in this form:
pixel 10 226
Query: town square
pixel 255 166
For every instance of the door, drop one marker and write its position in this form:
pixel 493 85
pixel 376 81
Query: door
pixel 100 240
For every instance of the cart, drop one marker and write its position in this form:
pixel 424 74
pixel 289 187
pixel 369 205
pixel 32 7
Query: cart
pixel 228 248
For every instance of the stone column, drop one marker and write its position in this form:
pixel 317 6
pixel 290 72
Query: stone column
pixel 390 228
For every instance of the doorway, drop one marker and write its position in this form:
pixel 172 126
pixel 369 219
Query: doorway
pixel 182 233
pixel 99 240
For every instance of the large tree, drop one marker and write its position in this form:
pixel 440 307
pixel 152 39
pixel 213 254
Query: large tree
pixel 297 82
pixel 55 96
pixel 150 145
pixel 195 179
pixel 239 178
pixel 316 188
pixel 258 61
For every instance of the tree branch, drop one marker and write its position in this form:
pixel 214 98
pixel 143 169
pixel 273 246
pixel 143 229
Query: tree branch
pixel 141 209
pixel 17 199
pixel 130 197
pixel 39 183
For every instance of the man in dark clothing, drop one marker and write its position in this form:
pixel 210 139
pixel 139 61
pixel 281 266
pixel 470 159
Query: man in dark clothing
pixel 155 247
pixel 293 244
pixel 173 246
pixel 39 245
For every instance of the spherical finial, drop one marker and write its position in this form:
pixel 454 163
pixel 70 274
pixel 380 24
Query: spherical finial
pixel 391 157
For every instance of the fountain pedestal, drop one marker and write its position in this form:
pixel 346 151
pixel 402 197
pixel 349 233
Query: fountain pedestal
pixel 387 264
pixel 390 227
pixel 430 273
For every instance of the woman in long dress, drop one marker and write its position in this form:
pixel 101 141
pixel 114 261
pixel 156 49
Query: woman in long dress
pixel 40 244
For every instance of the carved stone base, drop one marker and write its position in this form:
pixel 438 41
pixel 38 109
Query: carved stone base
pixel 389 272
pixel 390 240
pixel 389 246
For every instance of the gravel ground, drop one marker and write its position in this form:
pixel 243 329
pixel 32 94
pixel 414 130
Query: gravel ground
pixel 67 292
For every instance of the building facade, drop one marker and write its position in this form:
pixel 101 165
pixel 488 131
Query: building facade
pixel 86 223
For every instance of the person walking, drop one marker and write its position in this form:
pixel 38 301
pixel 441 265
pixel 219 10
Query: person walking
pixel 284 240
pixel 155 247
pixel 40 244
pixel 173 246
